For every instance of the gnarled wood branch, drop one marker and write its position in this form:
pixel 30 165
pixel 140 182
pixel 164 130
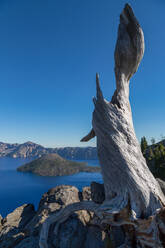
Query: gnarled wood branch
pixel 132 194
pixel 124 168
pixel 89 136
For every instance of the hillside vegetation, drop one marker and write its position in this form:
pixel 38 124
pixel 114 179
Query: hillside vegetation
pixel 155 157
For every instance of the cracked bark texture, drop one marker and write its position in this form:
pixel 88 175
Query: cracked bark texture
pixel 133 197
pixel 125 172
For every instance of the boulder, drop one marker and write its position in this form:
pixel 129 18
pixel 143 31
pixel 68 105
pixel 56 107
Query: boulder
pixel 21 228
pixel 86 194
pixel 52 201
pixel 97 192
pixel 95 238
pixel 61 195
pixel 28 242
pixel 73 232
pixel 12 229
pixel 20 216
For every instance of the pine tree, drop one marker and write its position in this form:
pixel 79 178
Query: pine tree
pixel 151 154
pixel 152 141
pixel 143 144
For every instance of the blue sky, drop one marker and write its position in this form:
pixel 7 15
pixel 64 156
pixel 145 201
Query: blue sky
pixel 49 54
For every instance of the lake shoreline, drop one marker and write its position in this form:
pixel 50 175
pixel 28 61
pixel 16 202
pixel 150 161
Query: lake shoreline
pixel 17 188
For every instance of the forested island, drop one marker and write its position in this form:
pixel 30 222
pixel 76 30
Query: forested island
pixel 55 165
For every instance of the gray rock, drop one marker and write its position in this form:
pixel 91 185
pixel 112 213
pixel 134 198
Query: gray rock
pixel 21 228
pixel 97 192
pixel 86 194
pixel 62 195
pixel 95 238
pixel 20 216
pixel 11 240
pixel 52 201
pixel 74 232
pixel 118 235
pixel 98 196
pixel 12 229
pixel 29 242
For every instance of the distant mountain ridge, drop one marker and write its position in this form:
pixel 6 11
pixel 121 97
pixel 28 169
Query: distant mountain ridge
pixel 30 149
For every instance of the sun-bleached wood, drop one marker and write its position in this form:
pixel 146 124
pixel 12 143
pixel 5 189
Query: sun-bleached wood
pixel 132 195
pixel 125 173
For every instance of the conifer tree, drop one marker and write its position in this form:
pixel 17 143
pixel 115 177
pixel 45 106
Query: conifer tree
pixel 143 144
pixel 152 141
pixel 151 154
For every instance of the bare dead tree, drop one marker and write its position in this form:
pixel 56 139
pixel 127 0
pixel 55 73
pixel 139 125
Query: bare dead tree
pixel 133 198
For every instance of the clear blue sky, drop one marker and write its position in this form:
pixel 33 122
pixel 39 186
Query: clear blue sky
pixel 50 51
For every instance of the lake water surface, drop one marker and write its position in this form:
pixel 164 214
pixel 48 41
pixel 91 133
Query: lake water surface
pixel 17 188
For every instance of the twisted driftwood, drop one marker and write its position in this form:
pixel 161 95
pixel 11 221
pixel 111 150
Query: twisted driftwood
pixel 133 198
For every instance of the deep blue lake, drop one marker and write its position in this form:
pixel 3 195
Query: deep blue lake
pixel 17 188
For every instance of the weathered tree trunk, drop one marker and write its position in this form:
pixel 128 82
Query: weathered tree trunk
pixel 133 198
pixel 125 173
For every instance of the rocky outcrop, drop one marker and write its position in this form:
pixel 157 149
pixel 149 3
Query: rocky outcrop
pixel 97 192
pixel 21 228
pixel 13 226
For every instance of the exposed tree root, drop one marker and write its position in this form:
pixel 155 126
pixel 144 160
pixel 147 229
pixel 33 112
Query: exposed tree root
pixel 62 216
pixel 141 232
